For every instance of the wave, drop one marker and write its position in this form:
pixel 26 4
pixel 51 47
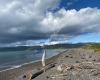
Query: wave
pixel 9 67
pixel 16 66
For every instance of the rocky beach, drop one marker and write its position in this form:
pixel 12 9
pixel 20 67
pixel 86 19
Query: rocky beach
pixel 72 64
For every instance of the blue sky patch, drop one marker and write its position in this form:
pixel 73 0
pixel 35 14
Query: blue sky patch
pixel 78 4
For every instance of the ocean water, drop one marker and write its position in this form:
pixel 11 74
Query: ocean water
pixel 15 58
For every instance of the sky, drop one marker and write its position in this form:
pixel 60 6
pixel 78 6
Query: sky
pixel 31 22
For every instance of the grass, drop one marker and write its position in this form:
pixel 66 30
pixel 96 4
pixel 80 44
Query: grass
pixel 96 47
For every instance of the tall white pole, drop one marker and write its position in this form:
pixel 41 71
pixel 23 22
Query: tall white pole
pixel 43 58
pixel 44 53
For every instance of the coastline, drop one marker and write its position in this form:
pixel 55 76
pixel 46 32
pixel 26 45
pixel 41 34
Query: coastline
pixel 73 64
pixel 12 73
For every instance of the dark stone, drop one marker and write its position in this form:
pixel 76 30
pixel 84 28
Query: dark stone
pixel 86 60
pixel 82 58
pixel 47 77
pixel 94 60
pixel 71 56
pixel 66 56
pixel 77 61
pixel 90 56
pixel 72 67
pixel 24 76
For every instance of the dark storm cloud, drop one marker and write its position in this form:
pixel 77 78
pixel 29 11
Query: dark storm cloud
pixel 22 20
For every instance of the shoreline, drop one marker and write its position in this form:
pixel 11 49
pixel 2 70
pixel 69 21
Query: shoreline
pixel 12 66
pixel 12 73
pixel 18 66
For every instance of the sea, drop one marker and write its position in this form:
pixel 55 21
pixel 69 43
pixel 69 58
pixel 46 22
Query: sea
pixel 14 59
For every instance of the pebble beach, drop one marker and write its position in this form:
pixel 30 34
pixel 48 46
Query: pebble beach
pixel 72 64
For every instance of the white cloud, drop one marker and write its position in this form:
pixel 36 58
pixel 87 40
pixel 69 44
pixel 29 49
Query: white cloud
pixel 84 20
pixel 21 18
pixel 30 19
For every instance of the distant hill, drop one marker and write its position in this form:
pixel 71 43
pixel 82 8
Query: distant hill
pixel 83 45
pixel 65 45
pixel 21 48
pixel 12 48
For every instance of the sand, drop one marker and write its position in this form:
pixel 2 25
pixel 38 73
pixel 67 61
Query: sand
pixel 72 64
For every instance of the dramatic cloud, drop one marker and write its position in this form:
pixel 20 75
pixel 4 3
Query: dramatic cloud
pixel 22 20
pixel 73 22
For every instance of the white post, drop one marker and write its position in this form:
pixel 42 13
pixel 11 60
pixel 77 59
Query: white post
pixel 43 59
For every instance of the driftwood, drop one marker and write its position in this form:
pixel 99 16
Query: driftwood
pixel 42 70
